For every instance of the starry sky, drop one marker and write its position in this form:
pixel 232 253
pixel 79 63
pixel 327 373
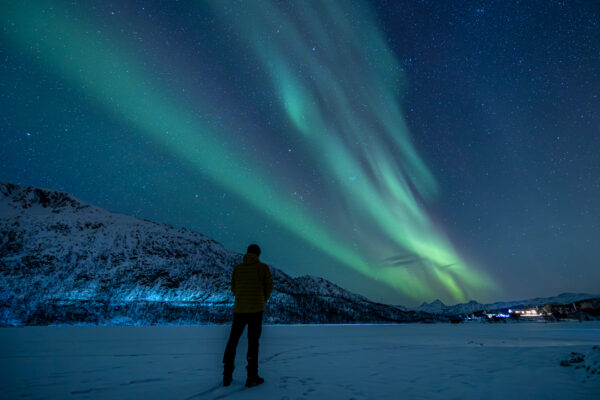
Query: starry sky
pixel 405 150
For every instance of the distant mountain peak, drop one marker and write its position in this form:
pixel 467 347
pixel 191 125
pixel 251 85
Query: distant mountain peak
pixel 437 307
pixel 436 302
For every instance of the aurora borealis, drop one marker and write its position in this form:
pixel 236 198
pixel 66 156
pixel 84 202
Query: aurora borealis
pixel 292 124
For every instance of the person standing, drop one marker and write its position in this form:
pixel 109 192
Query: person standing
pixel 251 284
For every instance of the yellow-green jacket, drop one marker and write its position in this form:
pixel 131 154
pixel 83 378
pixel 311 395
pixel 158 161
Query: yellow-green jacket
pixel 252 284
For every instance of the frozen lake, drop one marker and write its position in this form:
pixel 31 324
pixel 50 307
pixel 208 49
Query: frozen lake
pixel 414 361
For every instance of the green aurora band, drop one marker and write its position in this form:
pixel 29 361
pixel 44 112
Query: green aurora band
pixel 337 83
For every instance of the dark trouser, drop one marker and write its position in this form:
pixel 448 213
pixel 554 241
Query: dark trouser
pixel 254 322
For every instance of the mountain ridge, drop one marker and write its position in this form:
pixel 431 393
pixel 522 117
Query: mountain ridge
pixel 438 307
pixel 65 261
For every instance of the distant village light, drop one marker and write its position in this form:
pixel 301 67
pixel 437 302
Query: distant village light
pixel 528 313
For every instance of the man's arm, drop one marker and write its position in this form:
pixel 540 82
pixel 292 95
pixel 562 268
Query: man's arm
pixel 268 283
pixel 233 282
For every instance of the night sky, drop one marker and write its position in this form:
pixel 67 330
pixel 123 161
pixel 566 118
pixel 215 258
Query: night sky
pixel 405 150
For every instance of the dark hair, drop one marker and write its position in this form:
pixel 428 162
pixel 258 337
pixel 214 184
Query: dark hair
pixel 254 249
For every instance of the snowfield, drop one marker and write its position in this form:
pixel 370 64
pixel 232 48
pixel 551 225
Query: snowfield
pixel 412 361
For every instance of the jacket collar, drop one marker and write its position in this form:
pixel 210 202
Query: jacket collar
pixel 250 258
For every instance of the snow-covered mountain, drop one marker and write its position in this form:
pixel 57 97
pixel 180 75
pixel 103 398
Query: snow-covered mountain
pixel 65 261
pixel 437 307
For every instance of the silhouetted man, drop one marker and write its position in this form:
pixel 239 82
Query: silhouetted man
pixel 252 284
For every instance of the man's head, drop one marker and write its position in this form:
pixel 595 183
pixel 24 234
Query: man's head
pixel 254 249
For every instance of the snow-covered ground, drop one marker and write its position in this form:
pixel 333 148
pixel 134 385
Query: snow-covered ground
pixel 414 361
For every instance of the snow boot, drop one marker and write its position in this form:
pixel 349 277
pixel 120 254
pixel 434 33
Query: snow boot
pixel 254 380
